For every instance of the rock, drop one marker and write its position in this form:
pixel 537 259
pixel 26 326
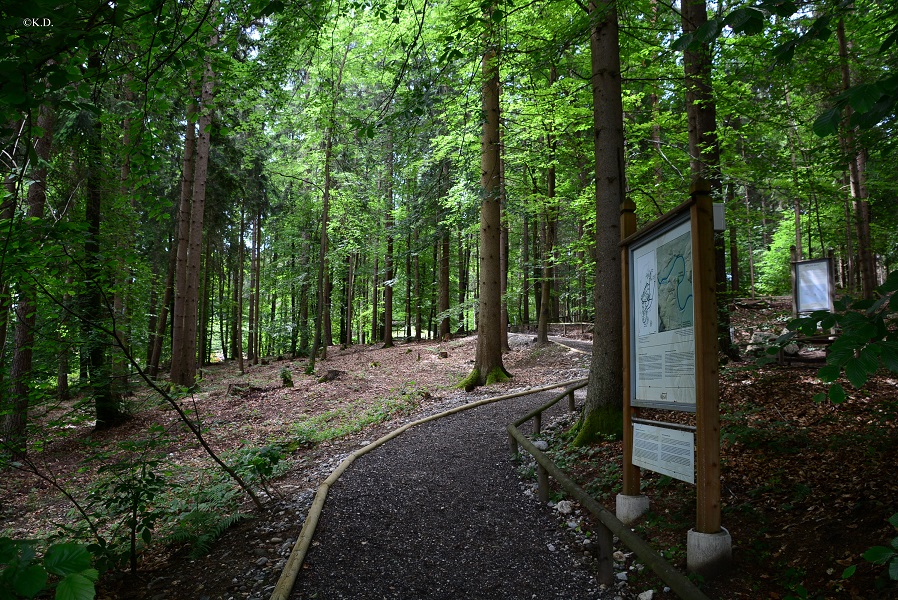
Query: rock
pixel 262 562
pixel 621 576
pixel 541 444
pixel 791 349
pixel 276 540
pixel 619 556
pixel 564 507
pixel 646 595
pixel 551 547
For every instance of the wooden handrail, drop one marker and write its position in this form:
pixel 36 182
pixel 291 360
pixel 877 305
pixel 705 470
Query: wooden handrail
pixel 609 524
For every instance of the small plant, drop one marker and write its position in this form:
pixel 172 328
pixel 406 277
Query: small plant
pixel 286 377
pixel 21 576
pixel 886 555
pixel 868 338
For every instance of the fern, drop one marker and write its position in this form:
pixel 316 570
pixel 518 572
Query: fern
pixel 200 528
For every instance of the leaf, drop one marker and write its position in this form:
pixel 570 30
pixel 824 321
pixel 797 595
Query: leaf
pixel 893 570
pixel 837 394
pixel 63 559
pixel 75 587
pixel 829 373
pixel 30 581
pixel 893 520
pixel 818 398
pixel 878 554
pixel 856 373
pixel 849 571
pixel 828 123
pixel 864 96
pixel 748 20
pixel 8 550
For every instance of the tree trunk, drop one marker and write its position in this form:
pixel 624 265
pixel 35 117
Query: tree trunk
pixel 15 419
pixel 445 323
pixel 525 271
pixel 704 150
pixel 180 288
pixel 162 322
pixel 602 413
pixel 488 367
pixel 857 169
pixel 388 261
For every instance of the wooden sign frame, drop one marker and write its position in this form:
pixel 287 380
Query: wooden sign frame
pixel 698 212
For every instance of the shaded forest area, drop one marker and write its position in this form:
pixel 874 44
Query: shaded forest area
pixel 191 183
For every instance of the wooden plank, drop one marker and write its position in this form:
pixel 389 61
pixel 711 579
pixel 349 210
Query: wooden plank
pixel 631 472
pixel 707 413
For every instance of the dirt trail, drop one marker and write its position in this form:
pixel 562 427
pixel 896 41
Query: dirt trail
pixel 440 512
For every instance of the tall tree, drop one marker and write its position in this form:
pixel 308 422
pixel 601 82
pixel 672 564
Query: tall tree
pixel 488 367
pixel 603 411
pixel 15 407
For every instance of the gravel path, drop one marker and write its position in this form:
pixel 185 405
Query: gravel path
pixel 440 512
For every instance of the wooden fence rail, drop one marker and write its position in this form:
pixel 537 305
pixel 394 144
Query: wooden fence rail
pixel 609 524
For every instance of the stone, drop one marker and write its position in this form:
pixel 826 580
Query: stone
pixel 621 576
pixel 541 445
pixel 564 507
pixel 646 595
pixel 262 562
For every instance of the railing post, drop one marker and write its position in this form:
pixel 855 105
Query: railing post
pixel 537 424
pixel 605 567
pixel 542 480
pixel 570 402
pixel 513 446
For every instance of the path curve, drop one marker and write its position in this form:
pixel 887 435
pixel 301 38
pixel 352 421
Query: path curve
pixel 440 513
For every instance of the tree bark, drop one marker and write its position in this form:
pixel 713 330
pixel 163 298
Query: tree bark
pixel 14 433
pixel 704 150
pixel 602 413
pixel 388 260
pixel 488 367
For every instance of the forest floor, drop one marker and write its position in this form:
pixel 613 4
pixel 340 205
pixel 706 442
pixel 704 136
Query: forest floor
pixel 806 487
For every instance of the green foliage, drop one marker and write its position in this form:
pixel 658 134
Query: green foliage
pixel 355 417
pixel 286 377
pixel 886 555
pixel 868 338
pixel 606 421
pixel 22 576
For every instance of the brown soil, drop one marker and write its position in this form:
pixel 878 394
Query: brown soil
pixel 252 411
pixel 806 488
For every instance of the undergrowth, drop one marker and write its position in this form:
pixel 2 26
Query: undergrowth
pixel 355 417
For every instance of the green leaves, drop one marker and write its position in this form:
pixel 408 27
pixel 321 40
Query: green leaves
pixel 868 339
pixel 63 559
pixel 22 577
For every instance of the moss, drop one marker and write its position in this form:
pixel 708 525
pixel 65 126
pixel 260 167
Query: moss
pixel 497 375
pixel 471 381
pixel 600 424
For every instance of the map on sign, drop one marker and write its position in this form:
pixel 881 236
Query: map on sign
pixel 662 308
pixel 675 283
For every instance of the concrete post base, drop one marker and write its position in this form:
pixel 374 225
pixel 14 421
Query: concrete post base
pixel 708 554
pixel 630 508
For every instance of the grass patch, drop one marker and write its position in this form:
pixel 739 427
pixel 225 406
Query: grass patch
pixel 357 416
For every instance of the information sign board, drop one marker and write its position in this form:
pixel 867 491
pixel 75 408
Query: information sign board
pixel 662 317
pixel 813 286
pixel 664 450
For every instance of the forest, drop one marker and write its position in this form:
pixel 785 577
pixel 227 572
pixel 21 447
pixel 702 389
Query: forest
pixel 190 183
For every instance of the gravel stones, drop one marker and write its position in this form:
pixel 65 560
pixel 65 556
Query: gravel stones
pixel 441 515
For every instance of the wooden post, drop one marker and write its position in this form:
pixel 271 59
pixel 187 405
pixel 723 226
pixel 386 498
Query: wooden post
pixel 513 446
pixel 707 414
pixel 793 275
pixel 571 404
pixel 537 424
pixel 542 480
pixel 631 473
pixel 605 542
